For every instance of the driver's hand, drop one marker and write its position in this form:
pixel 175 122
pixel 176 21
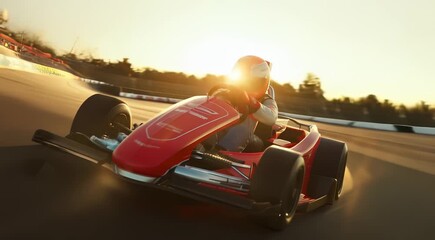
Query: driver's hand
pixel 245 103
pixel 240 99
pixel 254 104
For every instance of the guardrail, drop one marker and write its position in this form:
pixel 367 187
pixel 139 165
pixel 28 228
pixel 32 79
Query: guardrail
pixel 349 123
pixel 366 125
pixel 23 65
pixel 19 64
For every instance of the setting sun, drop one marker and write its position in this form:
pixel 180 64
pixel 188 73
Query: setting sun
pixel 353 55
pixel 234 76
pixel 217 55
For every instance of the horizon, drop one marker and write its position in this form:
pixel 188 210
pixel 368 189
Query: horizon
pixel 379 48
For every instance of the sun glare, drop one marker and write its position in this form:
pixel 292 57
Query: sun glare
pixel 234 77
pixel 217 55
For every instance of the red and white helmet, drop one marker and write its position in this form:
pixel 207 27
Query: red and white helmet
pixel 252 74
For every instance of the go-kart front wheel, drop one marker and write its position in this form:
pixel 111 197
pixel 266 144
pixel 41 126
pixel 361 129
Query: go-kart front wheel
pixel 102 115
pixel 330 161
pixel 278 179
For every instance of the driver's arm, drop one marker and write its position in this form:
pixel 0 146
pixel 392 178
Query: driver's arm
pixel 267 113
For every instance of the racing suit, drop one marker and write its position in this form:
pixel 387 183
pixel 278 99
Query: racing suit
pixel 236 138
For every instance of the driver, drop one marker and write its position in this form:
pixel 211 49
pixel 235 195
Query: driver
pixel 251 91
pixel 255 97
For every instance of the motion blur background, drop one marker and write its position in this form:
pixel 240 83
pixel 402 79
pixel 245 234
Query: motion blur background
pixel 369 61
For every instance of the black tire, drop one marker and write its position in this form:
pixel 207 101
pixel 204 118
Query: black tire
pixel 330 161
pixel 278 179
pixel 100 115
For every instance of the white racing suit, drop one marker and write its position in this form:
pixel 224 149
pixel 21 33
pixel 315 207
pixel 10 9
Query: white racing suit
pixel 236 138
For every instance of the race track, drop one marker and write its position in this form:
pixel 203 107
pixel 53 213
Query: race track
pixel 47 194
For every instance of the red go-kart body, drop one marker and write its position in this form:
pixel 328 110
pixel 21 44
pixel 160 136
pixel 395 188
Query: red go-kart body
pixel 297 169
pixel 169 139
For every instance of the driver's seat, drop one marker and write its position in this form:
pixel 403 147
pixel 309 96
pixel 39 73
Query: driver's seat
pixel 262 133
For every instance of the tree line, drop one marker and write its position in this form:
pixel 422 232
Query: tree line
pixel 307 99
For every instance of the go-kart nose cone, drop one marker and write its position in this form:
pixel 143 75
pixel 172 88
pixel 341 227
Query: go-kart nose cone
pixel 168 139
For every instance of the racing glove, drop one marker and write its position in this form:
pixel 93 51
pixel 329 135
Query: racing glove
pixel 240 99
pixel 243 102
pixel 250 103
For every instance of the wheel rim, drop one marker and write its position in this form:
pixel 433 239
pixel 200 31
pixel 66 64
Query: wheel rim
pixel 293 198
pixel 121 119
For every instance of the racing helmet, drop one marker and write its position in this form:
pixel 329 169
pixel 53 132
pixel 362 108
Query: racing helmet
pixel 252 74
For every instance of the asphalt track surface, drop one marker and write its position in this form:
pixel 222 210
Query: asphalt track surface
pixel 47 194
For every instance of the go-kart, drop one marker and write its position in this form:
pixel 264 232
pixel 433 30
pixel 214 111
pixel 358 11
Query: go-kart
pixel 295 169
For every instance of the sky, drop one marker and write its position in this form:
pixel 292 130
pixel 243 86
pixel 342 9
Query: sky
pixel 356 48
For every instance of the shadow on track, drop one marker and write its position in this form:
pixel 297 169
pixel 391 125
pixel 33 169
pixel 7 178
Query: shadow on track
pixel 48 194
pixel 51 194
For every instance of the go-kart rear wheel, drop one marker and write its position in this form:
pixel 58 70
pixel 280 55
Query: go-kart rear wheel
pixel 102 115
pixel 330 161
pixel 278 179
